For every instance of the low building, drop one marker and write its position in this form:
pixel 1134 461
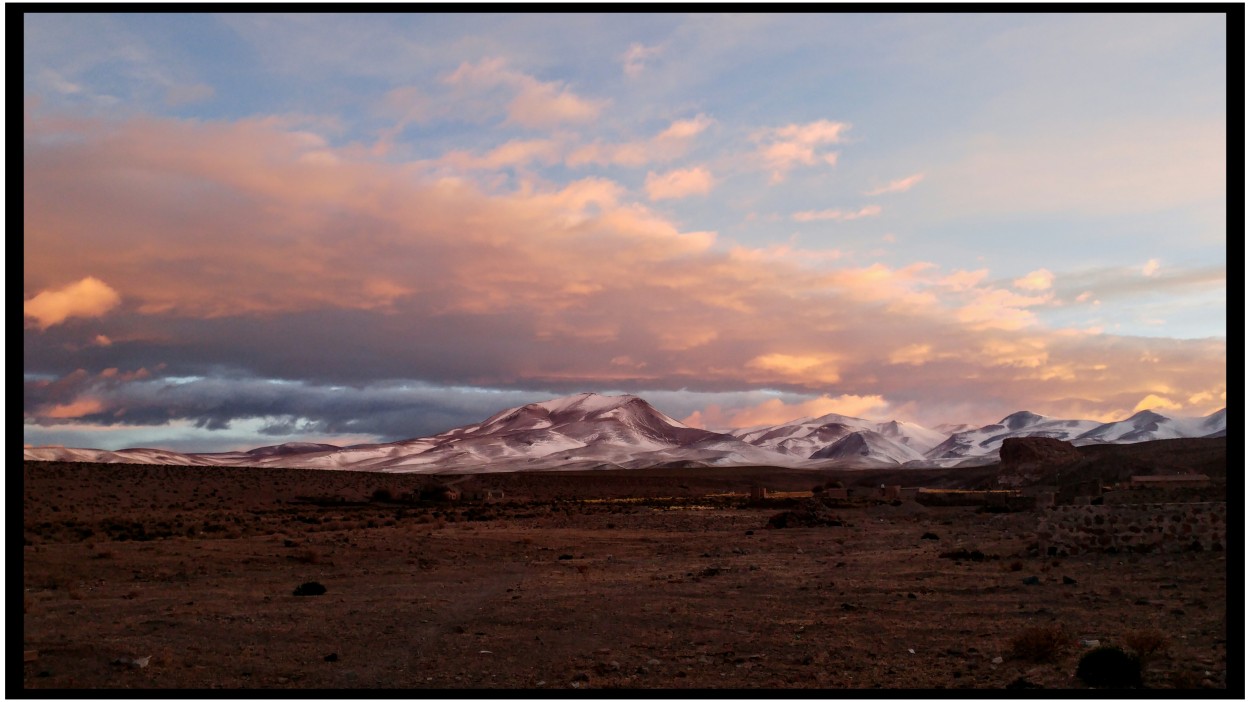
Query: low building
pixel 1169 481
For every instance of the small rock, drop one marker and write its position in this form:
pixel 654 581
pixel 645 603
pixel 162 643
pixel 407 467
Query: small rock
pixel 750 532
pixel 581 677
pixel 653 661
pixel 1090 643
pixel 705 660
pixel 911 595
pixel 565 557
pixel 1068 581
pixel 997 660
pixel 911 650
pixel 1021 684
pixel 331 658
pixel 1032 580
pixel 930 536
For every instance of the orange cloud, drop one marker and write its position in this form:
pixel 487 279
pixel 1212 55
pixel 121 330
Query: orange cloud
pixel 89 297
pixel 79 408
pixel 804 369
pixel 680 183
pixel 775 411
pixel 1153 402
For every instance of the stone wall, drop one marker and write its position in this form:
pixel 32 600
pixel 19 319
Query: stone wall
pixel 1165 527
pixel 1140 495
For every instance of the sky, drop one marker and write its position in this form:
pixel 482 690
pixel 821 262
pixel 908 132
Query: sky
pixel 244 230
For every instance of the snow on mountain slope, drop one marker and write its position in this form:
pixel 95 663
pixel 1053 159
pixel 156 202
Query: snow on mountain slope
pixel 988 439
pixel 871 445
pixel 803 437
pixel 590 431
pixel 1147 425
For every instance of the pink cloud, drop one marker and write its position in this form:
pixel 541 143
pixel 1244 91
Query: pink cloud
pixel 535 103
pixel 783 148
pixel 636 56
pixel 897 186
pixel 228 220
pixel 679 183
pixel 836 215
pixel 668 145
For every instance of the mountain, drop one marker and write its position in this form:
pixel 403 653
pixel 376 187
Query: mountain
pixel 1147 425
pixel 870 446
pixel 590 431
pixel 988 439
pixel 803 437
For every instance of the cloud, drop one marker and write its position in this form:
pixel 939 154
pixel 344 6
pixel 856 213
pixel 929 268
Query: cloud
pixel 668 145
pixel 913 354
pixel 783 148
pixel 1151 267
pixel 636 56
pixel 1154 402
pixel 776 411
pixel 1040 279
pixel 364 274
pixel 89 297
pixel 837 215
pixel 514 153
pixel 535 103
pixel 901 185
pixel 679 183
pixel 818 368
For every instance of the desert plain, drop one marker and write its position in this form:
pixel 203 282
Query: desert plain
pixel 160 577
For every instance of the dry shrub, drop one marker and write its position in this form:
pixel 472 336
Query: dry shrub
pixel 1039 644
pixel 1146 643
pixel 1185 679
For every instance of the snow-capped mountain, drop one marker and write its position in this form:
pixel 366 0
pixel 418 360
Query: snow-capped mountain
pixel 869 446
pixel 804 437
pixel 1149 426
pixel 590 431
pixel 989 438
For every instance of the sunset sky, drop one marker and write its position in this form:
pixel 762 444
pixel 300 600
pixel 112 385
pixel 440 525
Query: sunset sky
pixel 247 230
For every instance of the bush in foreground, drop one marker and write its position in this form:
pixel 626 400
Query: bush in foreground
pixel 1039 644
pixel 1109 666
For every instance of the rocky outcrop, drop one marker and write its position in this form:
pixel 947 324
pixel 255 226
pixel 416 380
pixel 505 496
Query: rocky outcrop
pixel 1029 459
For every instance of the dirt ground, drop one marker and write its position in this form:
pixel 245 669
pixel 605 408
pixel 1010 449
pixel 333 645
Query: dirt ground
pixel 571 581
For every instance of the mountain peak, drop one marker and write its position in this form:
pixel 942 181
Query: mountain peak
pixel 1021 419
pixel 584 401
pixel 1147 416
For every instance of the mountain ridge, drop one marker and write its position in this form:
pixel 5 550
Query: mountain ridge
pixel 589 430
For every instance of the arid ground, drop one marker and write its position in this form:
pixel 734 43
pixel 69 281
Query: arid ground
pixel 645 579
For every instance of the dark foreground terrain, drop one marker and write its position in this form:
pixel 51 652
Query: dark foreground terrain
pixel 644 579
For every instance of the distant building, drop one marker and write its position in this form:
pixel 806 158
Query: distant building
pixel 1167 481
pixel 758 493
